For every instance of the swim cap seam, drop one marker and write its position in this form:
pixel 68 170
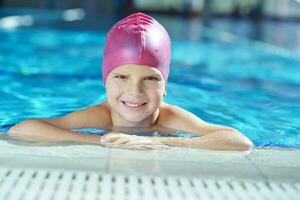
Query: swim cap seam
pixel 143 42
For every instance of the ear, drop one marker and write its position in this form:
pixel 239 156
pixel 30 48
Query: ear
pixel 165 94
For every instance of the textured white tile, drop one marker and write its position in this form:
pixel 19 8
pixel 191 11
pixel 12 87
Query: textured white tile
pixel 277 164
pixel 181 154
pixel 216 157
pixel 134 167
pixel 275 158
pixel 89 157
pixel 173 154
pixel 183 168
pixel 134 154
pixel 55 163
pixel 285 174
pixel 66 151
pixel 225 169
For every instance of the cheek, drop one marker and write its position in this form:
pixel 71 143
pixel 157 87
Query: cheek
pixel 113 91
pixel 155 92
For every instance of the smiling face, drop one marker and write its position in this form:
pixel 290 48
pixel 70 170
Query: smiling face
pixel 134 93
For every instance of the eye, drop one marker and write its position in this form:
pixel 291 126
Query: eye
pixel 122 77
pixel 152 78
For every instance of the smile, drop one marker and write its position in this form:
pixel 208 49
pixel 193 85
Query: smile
pixel 133 105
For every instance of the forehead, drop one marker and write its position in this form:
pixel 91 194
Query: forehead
pixel 136 69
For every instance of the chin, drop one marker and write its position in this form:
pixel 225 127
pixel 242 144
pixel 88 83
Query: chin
pixel 134 119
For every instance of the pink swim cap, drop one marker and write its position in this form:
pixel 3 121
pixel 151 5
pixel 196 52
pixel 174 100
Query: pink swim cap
pixel 137 39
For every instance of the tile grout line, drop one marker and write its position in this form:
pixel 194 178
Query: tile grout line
pixel 257 168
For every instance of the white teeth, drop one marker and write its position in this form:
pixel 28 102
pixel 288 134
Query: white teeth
pixel 132 104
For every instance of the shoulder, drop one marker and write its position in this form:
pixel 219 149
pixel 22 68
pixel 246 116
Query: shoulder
pixel 97 116
pixel 172 111
pixel 174 117
pixel 169 115
pixel 102 108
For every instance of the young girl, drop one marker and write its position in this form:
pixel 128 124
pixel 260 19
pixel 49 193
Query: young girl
pixel 135 71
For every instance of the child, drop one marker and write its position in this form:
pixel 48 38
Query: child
pixel 135 71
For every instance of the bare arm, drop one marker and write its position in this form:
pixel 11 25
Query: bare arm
pixel 213 136
pixel 56 129
pixel 220 140
pixel 38 130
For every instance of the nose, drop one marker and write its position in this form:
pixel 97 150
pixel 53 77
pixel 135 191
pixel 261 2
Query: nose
pixel 135 87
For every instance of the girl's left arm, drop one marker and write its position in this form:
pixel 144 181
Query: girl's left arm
pixel 212 136
pixel 219 140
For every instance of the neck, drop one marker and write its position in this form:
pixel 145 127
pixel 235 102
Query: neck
pixel 150 121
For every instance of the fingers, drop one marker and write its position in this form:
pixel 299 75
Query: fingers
pixel 112 137
pixel 137 140
pixel 116 140
pixel 154 147
pixel 119 140
pixel 138 146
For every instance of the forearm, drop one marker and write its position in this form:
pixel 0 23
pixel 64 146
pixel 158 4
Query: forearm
pixel 36 130
pixel 221 140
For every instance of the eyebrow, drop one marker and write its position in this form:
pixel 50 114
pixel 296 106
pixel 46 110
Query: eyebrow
pixel 156 75
pixel 119 74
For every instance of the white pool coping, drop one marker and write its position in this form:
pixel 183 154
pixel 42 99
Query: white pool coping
pixel 281 165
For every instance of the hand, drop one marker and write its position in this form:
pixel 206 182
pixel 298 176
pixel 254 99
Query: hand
pixel 120 140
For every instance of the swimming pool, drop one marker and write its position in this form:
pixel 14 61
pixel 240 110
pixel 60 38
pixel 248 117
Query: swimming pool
pixel 47 71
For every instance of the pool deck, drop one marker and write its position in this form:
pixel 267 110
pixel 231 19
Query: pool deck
pixel 279 165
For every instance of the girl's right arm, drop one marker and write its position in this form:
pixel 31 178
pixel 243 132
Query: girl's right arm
pixel 57 129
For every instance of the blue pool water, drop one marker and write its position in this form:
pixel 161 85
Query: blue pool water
pixel 47 71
